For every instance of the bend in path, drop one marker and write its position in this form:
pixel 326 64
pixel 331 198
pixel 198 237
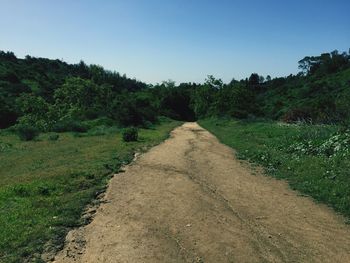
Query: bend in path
pixel 189 200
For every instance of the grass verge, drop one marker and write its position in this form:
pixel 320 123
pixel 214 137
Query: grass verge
pixel 45 184
pixel 314 159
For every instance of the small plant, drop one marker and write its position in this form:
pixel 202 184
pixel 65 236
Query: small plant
pixel 21 191
pixel 78 127
pixel 27 133
pixel 53 137
pixel 44 190
pixel 130 134
pixel 5 146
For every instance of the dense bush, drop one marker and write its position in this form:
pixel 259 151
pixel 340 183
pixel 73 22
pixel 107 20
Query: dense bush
pixel 133 110
pixel 297 115
pixel 130 134
pixel 69 125
pixel 27 133
pixel 53 137
pixel 103 121
pixel 8 116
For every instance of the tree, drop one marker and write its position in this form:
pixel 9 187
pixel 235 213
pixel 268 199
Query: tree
pixel 326 63
pixel 213 82
pixel 236 101
pixel 35 112
pixel 136 110
pixel 254 80
pixel 76 97
pixel 261 79
pixel 8 114
pixel 169 84
pixel 204 96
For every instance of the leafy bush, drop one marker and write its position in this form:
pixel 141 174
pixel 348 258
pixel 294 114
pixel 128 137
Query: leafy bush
pixel 69 125
pixel 130 134
pixel 27 133
pixel 21 190
pixel 296 115
pixel 103 121
pixel 45 190
pixel 102 130
pixel 54 136
pixel 133 110
pixel 5 146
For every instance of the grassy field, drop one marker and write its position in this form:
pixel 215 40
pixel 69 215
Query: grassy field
pixel 315 160
pixel 45 184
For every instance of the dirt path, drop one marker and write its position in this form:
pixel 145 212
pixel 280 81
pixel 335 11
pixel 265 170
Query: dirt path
pixel 190 200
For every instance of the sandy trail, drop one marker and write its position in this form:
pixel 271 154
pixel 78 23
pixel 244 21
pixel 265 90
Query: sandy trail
pixel 189 200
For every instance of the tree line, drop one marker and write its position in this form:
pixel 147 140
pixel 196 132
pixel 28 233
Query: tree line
pixel 54 95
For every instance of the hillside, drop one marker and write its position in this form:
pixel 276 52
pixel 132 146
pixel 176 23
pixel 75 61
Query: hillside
pixel 314 98
pixel 51 94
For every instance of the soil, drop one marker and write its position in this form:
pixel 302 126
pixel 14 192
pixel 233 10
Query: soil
pixel 190 200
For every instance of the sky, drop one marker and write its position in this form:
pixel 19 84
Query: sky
pixel 182 40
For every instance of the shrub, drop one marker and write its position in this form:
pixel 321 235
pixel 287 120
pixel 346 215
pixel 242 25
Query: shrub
pixel 27 133
pixel 53 137
pixel 297 115
pixel 130 134
pixel 102 130
pixel 44 190
pixel 21 190
pixel 103 121
pixel 69 125
pixel 5 146
pixel 133 110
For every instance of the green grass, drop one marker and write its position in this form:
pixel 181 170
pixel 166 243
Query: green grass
pixel 45 184
pixel 309 157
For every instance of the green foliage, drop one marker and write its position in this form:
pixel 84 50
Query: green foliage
pixel 236 100
pixel 326 63
pixel 316 99
pixel 8 115
pixel 27 133
pixel 53 136
pixel 40 88
pixel 77 98
pixel 130 134
pixel 174 101
pixel 36 112
pixel 69 125
pixel 203 99
pixel 42 92
pixel 133 110
pixel 103 121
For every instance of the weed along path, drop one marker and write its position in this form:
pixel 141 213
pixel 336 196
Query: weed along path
pixel 189 200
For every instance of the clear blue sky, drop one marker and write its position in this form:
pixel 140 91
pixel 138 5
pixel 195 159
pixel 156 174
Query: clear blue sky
pixel 183 40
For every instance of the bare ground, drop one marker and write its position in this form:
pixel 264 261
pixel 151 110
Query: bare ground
pixel 190 200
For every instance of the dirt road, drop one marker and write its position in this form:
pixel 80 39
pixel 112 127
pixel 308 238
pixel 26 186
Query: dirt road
pixel 190 200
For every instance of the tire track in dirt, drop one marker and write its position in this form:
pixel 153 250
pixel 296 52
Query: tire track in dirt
pixel 189 200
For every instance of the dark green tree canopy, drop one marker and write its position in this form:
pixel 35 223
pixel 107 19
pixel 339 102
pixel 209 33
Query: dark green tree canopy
pixel 46 93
